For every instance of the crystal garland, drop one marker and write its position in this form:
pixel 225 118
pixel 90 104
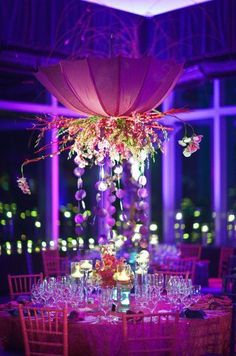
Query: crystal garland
pixel 81 216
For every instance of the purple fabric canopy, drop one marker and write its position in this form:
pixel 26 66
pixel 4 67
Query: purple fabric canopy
pixel 111 87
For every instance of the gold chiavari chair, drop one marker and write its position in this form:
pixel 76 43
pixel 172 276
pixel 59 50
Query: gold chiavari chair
pixel 181 265
pixel 45 331
pixel 225 254
pixel 150 334
pixel 193 250
pixel 53 264
pixel 22 284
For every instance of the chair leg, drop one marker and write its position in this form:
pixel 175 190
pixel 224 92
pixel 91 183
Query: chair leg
pixel 233 329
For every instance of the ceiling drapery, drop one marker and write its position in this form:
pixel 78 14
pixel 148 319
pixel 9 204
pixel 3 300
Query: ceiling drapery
pixel 117 86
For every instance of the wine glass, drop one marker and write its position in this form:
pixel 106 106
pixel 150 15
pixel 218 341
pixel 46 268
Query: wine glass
pixel 152 299
pixel 105 300
pixel 196 293
pixel 173 296
pixel 86 266
pixel 186 295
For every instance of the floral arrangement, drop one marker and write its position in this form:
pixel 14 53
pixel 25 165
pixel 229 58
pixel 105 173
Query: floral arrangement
pixel 117 138
pixel 142 262
pixel 110 142
pixel 107 267
pixel 96 138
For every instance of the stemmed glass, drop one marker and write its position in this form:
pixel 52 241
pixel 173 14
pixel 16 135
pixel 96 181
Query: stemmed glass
pixel 105 300
pixel 88 290
pixel 185 293
pixel 159 282
pixel 152 299
pixel 141 297
pixel 196 293
pixel 173 296
pixel 86 266
pixel 36 293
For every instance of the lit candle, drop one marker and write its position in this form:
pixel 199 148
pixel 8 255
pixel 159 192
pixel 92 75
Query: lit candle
pixel 140 270
pixel 123 276
pixel 75 270
pixel 86 265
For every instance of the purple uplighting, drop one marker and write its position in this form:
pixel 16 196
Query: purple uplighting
pixel 55 190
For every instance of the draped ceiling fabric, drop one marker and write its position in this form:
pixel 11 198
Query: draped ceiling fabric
pixel 111 87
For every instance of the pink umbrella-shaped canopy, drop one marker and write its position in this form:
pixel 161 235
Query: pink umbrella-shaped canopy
pixel 113 86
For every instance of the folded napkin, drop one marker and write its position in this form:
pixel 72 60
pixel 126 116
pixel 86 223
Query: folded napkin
pixel 75 316
pixel 218 304
pixel 85 310
pixel 193 314
pixel 11 305
pixel 212 302
pixel 23 299
pixel 130 312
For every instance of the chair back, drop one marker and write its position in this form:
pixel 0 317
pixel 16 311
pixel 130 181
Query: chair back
pixel 203 339
pixel 45 330
pixel 232 265
pixel 150 334
pixel 187 264
pixel 167 274
pixel 225 254
pixel 64 266
pixel 229 286
pixel 51 263
pixel 22 284
pixel 188 250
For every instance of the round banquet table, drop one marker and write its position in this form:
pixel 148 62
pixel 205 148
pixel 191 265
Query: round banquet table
pixel 195 336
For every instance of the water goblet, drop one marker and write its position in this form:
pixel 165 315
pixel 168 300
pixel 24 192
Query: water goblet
pixel 152 300
pixel 196 293
pixel 86 266
pixel 106 300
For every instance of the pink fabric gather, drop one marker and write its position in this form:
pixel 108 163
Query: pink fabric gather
pixel 116 86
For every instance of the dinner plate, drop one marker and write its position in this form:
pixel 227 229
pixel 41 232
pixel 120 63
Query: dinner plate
pixel 85 310
pixel 89 319
pixel 163 311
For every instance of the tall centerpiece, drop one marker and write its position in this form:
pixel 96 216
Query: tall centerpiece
pixel 117 98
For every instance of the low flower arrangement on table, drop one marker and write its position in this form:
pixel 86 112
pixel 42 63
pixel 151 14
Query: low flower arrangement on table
pixel 111 269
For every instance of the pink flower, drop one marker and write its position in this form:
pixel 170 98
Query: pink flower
pixel 191 144
pixel 197 138
pixel 23 185
pixel 193 147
